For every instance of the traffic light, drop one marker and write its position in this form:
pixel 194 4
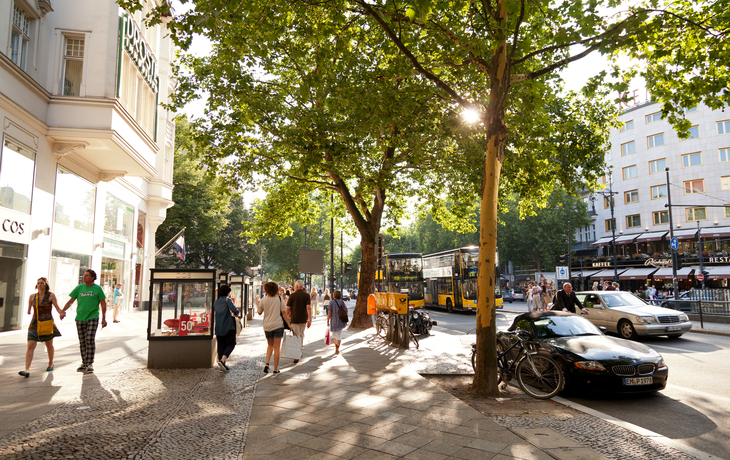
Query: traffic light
pixel 706 273
pixel 348 267
pixel 680 260
pixel 564 259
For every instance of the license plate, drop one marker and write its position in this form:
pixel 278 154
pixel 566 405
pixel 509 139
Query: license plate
pixel 639 381
pixel 674 328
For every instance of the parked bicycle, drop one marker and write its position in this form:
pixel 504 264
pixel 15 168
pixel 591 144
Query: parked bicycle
pixel 381 326
pixel 539 376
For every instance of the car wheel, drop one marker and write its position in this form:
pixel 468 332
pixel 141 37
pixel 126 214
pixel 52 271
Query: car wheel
pixel 626 330
pixel 188 305
pixel 510 301
pixel 449 306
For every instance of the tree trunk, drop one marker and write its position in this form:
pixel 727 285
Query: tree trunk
pixel 366 283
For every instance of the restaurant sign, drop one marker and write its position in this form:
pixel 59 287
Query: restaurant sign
pixel 658 262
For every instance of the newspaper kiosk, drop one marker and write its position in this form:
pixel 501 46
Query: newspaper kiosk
pixel 238 295
pixel 180 325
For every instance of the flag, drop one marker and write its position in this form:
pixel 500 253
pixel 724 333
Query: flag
pixel 179 244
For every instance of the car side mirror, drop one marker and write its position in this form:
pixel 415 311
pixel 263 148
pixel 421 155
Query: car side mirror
pixel 603 329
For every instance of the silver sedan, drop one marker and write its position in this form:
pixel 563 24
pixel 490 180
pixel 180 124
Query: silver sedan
pixel 631 317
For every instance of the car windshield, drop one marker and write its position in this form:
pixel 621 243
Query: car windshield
pixel 564 326
pixel 622 299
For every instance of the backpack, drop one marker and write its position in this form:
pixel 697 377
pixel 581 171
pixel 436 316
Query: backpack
pixel 343 312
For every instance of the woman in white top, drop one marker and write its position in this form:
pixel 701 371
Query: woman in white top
pixel 314 300
pixel 273 308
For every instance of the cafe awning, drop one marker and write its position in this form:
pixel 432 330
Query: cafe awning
pixel 685 234
pixel 665 273
pixel 650 236
pixel 715 271
pixel 602 241
pixel 606 274
pixel 637 273
pixel 719 232
pixel 624 239
pixel 575 274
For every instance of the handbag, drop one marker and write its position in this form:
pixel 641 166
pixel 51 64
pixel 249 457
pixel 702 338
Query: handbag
pixel 343 312
pixel 237 321
pixel 42 327
pixel 292 346
pixel 327 337
pixel 286 324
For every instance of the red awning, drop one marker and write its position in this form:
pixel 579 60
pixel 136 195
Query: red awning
pixel 720 232
pixel 651 236
pixel 637 273
pixel 665 273
pixel 685 234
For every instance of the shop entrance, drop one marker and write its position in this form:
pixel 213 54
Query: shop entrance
pixel 12 258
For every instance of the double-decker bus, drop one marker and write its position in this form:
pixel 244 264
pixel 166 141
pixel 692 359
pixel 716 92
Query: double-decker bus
pixel 403 275
pixel 451 280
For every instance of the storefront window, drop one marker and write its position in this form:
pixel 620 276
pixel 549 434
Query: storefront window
pixel 17 171
pixel 113 272
pixel 184 311
pixel 75 201
pixel 118 219
pixel 67 271
pixel 12 257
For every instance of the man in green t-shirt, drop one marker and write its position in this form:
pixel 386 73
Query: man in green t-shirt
pixel 90 297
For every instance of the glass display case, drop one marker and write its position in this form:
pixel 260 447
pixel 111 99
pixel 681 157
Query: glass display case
pixel 180 327
pixel 238 296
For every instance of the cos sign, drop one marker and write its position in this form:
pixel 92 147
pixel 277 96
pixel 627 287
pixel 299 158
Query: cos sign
pixel 15 227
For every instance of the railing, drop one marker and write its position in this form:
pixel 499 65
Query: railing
pixel 702 302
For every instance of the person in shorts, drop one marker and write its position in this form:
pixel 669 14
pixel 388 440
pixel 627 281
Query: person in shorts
pixel 273 308
pixel 299 310
pixel 333 321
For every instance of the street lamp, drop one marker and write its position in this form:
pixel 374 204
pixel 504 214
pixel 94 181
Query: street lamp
pixel 610 193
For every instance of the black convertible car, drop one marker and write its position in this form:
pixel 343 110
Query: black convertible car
pixel 590 359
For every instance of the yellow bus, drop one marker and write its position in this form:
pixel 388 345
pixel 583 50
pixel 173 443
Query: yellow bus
pixel 451 280
pixel 403 275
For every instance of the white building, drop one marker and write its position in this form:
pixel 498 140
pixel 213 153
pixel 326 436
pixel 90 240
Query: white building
pixel 699 178
pixel 87 152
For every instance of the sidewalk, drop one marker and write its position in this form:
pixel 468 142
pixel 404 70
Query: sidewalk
pixel 370 402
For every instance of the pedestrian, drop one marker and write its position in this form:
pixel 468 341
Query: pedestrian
pixel 595 285
pixel 616 286
pixel 314 299
pixel 326 298
pixel 299 310
pixel 225 325
pixel 607 286
pixel 528 293
pixel 274 310
pixel 90 297
pixel 42 304
pixel 545 296
pixel 566 300
pixel 334 322
pixel 536 291
pixel 117 300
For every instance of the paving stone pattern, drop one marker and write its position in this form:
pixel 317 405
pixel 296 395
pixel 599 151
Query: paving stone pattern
pixel 367 403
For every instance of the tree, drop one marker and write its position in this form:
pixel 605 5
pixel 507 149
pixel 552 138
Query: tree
pixel 541 237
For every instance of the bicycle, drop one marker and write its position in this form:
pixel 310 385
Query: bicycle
pixel 381 324
pixel 539 376
pixel 404 323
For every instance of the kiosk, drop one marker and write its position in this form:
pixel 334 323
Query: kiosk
pixel 180 326
pixel 238 295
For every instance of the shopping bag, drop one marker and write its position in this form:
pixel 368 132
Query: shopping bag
pixel 292 347
pixel 327 337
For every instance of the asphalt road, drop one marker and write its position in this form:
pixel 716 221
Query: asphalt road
pixel 692 410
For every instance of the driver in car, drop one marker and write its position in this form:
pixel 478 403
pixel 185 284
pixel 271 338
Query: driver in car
pixel 566 300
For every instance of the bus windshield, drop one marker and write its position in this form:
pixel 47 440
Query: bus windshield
pixel 414 289
pixel 469 289
pixel 404 265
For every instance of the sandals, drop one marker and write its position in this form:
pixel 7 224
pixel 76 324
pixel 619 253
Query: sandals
pixel 277 372
pixel 24 374
pixel 49 368
pixel 266 368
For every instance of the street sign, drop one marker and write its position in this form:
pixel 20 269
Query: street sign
pixel 700 277
pixel 561 273
pixel 674 243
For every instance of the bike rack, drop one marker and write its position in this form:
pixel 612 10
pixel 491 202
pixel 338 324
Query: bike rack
pixel 396 305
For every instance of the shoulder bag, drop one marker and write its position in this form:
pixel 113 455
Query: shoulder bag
pixel 42 327
pixel 286 324
pixel 343 311
pixel 236 320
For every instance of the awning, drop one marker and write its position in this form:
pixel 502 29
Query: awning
pixel 607 274
pixel 715 232
pixel 637 273
pixel 715 271
pixel 685 234
pixel 602 241
pixel 624 239
pixel 575 274
pixel 665 273
pixel 650 236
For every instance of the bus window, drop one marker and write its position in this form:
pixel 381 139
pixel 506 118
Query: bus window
pixel 469 289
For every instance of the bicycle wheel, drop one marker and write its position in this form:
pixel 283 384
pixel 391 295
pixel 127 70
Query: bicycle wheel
pixel 413 338
pixel 539 376
pixel 381 326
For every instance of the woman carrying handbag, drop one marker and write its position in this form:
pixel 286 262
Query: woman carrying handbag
pixel 273 308
pixel 225 325
pixel 42 328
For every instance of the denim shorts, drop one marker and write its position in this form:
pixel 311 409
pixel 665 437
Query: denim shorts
pixel 275 334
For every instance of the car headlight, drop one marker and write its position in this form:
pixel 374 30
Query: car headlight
pixel 590 365
pixel 661 363
pixel 683 317
pixel 646 320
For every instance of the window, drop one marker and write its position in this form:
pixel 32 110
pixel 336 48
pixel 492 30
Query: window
pixel 118 219
pixel 630 172
pixel 695 214
pixel 17 171
pixel 694 186
pixel 724 155
pixel 607 202
pixel 694 133
pixel 610 224
pixel 19 37
pixel 653 117
pixel 75 201
pixel 73 64
pixel 660 217
pixel 632 196
pixel 727 212
pixel 633 221
pixel 723 127
pixel 691 159
pixel 658 191
pixel 655 141
pixel 627 126
pixel 657 166
pixel 628 148
pixel 689 110
pixel 725 182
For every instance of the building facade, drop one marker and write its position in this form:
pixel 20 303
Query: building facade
pixel 87 150
pixel 699 184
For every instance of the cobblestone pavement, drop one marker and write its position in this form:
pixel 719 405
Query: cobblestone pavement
pixel 203 413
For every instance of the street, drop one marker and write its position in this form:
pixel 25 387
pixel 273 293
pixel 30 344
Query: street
pixel 692 409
